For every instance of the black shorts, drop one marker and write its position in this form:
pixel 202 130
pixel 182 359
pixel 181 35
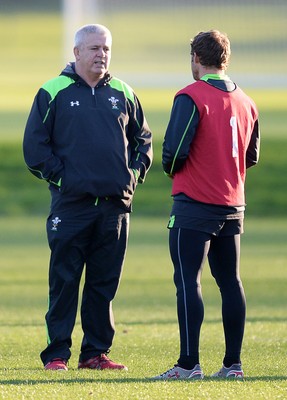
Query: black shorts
pixel 226 227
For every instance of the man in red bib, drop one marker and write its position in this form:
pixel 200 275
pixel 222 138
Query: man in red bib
pixel 211 139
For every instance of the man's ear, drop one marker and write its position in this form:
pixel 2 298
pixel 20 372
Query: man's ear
pixel 196 58
pixel 76 53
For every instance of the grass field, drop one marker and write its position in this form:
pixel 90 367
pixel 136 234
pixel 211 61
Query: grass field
pixel 266 184
pixel 41 59
pixel 146 326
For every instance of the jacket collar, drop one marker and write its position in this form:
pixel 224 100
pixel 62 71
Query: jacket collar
pixel 70 71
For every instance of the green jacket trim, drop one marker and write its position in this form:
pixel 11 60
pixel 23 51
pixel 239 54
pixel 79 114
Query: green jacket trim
pixel 54 86
pixel 183 136
pixel 123 87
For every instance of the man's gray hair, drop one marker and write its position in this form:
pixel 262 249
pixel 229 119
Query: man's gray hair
pixel 88 29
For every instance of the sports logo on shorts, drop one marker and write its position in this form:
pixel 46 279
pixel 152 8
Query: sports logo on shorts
pixel 55 223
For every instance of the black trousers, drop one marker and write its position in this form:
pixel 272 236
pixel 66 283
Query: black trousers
pixel 94 236
pixel 189 250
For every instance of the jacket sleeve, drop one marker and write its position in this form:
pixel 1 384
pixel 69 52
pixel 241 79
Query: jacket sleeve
pixel 37 148
pixel 140 139
pixel 253 150
pixel 179 134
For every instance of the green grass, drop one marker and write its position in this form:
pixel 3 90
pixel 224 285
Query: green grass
pixel 20 192
pixel 39 50
pixel 146 325
pixel 139 46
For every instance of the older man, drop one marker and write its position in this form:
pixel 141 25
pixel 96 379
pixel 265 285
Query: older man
pixel 87 136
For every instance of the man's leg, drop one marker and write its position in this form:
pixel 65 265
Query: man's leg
pixel 189 250
pixel 103 271
pixel 67 243
pixel 224 258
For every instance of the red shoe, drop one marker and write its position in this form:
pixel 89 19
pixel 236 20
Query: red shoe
pixel 101 362
pixel 57 364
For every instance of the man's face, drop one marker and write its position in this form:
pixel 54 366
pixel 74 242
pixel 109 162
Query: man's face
pixel 94 55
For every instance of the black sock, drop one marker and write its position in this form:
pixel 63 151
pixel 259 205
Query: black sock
pixel 187 362
pixel 228 361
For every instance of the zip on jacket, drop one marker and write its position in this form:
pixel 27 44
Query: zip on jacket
pixel 88 141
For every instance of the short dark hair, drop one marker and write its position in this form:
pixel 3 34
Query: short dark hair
pixel 212 48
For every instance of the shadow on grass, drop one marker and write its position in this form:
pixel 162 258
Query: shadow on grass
pixel 67 380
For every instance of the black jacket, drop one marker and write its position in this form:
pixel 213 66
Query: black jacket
pixel 88 141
